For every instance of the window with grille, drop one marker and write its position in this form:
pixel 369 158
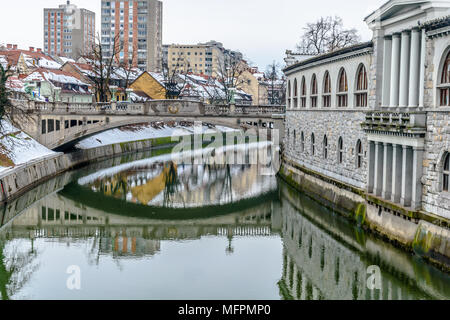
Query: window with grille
pixel 359 154
pixel 314 91
pixel 361 87
pixel 342 89
pixel 303 96
pixel 444 87
pixel 446 173
pixel 340 150
pixel 326 97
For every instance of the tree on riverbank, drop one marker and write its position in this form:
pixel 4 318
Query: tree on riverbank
pixel 5 104
pixel 8 112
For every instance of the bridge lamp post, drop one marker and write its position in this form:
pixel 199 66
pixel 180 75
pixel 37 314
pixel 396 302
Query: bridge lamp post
pixel 113 90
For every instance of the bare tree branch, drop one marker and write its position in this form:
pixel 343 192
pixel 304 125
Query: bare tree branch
pixel 325 35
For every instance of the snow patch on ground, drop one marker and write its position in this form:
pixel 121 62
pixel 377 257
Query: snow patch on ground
pixel 18 147
pixel 142 132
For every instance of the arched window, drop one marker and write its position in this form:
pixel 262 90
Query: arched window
pixel 295 105
pixel 359 154
pixel 445 82
pixel 303 92
pixel 342 89
pixel 325 147
pixel 326 96
pixel 295 137
pixel 313 144
pixel 289 94
pixel 302 142
pixel 446 173
pixel 314 91
pixel 361 87
pixel 340 150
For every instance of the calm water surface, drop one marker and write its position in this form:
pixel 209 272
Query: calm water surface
pixel 145 227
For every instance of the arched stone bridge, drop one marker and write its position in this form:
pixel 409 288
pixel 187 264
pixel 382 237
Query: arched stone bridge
pixel 60 124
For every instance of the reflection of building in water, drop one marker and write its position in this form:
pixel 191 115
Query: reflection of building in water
pixel 59 219
pixel 122 245
pixel 172 185
pixel 333 264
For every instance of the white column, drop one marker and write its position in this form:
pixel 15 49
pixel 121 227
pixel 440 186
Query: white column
pixel 395 70
pixel 406 176
pixel 422 70
pixel 397 160
pixel 387 171
pixel 371 178
pixel 387 60
pixel 416 202
pixel 378 180
pixel 404 69
pixel 414 70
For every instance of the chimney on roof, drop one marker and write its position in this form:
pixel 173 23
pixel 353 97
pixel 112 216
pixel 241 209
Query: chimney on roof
pixel 39 50
pixel 9 46
pixel 32 49
pixel 15 46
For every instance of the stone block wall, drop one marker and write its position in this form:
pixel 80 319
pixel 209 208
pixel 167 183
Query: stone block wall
pixel 437 144
pixel 333 124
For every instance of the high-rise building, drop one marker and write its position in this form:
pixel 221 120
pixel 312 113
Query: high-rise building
pixel 134 28
pixel 69 31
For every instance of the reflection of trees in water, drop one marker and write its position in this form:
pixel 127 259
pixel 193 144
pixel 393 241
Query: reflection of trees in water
pixel 16 268
pixel 227 187
pixel 172 185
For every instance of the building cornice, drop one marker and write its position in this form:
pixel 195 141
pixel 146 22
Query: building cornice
pixel 342 54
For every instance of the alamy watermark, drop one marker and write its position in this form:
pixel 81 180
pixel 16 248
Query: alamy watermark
pixel 74 280
pixel 374 281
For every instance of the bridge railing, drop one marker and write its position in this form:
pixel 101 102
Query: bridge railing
pixel 163 106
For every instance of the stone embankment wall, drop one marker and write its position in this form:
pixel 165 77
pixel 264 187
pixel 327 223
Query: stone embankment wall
pixel 23 178
pixel 425 235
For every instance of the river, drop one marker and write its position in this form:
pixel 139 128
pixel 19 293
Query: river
pixel 145 226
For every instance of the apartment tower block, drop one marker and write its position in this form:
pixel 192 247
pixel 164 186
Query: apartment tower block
pixel 68 31
pixel 134 28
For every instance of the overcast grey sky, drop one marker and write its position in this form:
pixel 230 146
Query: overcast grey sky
pixel 261 29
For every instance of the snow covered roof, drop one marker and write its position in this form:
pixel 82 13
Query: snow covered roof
pixel 32 58
pixel 158 77
pixel 54 76
pixel 15 84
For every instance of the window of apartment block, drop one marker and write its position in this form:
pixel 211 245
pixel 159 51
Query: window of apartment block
pixel 444 87
pixel 342 89
pixel 361 87
pixel 326 96
pixel 314 91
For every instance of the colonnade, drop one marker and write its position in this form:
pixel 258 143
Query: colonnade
pixel 395 173
pixel 403 69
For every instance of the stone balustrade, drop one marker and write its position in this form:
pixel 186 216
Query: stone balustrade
pixel 395 121
pixel 172 107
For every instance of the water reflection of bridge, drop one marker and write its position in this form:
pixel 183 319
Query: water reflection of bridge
pixel 58 218
pixel 325 257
